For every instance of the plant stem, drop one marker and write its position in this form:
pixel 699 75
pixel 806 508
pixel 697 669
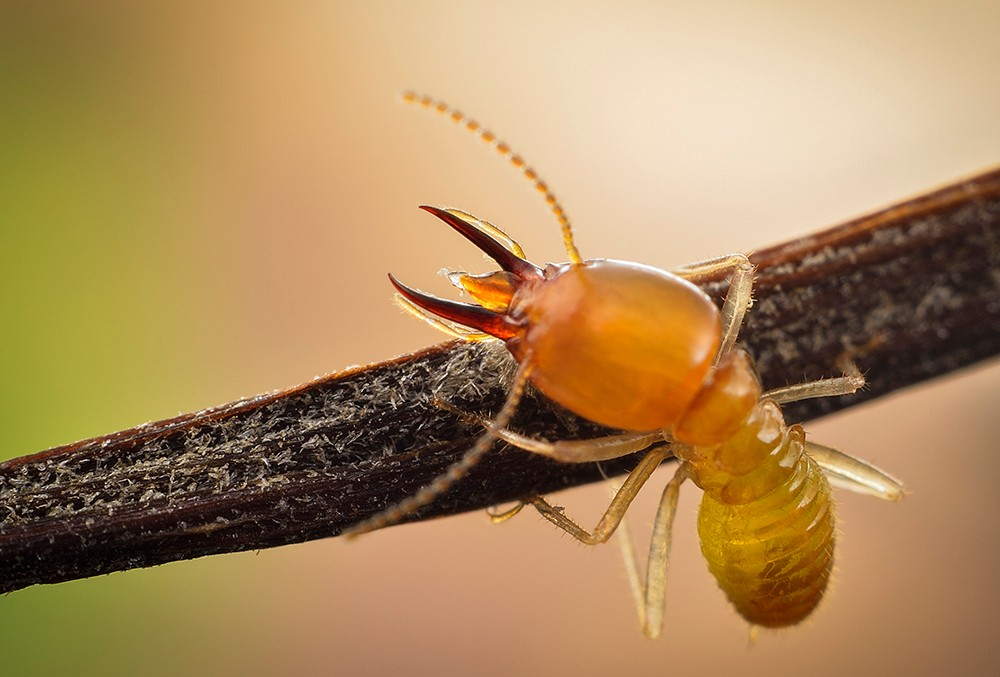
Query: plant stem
pixel 911 292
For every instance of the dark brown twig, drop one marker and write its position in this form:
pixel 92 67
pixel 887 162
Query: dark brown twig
pixel 913 291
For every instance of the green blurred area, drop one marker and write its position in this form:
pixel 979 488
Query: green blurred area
pixel 89 210
pixel 96 175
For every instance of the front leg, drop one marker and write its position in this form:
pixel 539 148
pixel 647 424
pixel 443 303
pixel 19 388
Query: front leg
pixel 738 298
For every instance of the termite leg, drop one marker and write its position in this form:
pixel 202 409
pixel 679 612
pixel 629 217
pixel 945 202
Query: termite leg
pixel 853 474
pixel 568 451
pixel 693 271
pixel 581 451
pixel 650 595
pixel 498 517
pixel 849 383
pixel 457 470
pixel 574 451
pixel 738 298
pixel 612 517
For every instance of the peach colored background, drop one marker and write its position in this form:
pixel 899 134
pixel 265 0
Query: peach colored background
pixel 199 201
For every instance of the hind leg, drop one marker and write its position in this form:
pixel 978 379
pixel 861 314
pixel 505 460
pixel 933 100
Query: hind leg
pixel 846 472
pixel 843 471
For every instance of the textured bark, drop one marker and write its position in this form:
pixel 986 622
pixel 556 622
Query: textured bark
pixel 913 291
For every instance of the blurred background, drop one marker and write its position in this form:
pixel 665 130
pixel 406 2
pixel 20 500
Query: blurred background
pixel 200 201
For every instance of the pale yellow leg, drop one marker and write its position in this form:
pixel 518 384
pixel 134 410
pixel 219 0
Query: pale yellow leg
pixel 842 470
pixel 457 470
pixel 499 517
pixel 581 451
pixel 631 560
pixel 569 451
pixel 738 298
pixel 713 265
pixel 853 474
pixel 650 595
pixel 612 517
pixel 849 383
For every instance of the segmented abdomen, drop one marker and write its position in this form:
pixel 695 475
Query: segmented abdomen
pixel 772 555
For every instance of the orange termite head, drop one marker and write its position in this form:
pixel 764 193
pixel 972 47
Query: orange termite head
pixel 619 343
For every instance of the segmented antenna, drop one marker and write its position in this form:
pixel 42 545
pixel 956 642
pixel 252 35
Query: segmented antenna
pixel 513 158
pixel 457 470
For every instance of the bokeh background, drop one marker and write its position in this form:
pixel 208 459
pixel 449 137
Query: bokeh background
pixel 199 201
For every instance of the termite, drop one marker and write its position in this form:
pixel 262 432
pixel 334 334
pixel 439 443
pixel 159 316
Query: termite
pixel 647 352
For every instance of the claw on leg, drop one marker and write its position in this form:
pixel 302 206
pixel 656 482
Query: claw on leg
pixel 500 517
pixel 738 297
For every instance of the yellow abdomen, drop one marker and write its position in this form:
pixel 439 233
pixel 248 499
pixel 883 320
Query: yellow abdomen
pixel 772 555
